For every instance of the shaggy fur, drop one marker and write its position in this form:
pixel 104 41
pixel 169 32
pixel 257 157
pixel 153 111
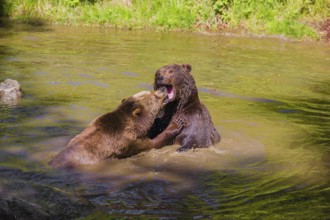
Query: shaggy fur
pixel 184 105
pixel 117 134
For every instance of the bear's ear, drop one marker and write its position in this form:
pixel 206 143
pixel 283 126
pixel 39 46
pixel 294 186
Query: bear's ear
pixel 137 111
pixel 123 100
pixel 186 67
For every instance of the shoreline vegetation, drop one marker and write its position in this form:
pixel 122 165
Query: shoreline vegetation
pixel 290 19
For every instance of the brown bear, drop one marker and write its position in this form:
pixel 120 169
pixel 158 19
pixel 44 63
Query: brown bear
pixel 118 134
pixel 183 105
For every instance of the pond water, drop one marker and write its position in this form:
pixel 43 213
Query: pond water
pixel 268 98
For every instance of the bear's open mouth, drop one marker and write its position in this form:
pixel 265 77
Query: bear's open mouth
pixel 170 91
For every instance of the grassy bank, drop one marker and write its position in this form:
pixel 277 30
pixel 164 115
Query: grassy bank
pixel 289 18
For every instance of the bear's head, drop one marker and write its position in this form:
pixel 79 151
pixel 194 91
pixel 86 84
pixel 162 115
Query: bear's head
pixel 179 83
pixel 142 109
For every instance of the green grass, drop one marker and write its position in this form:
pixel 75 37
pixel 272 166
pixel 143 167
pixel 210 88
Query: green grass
pixel 289 18
pixel 281 17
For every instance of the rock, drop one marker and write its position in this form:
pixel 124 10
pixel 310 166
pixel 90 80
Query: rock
pixel 10 92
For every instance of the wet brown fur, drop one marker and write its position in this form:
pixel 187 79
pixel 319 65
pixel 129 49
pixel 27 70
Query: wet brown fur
pixel 117 134
pixel 198 130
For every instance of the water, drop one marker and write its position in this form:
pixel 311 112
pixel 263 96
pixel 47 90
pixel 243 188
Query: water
pixel 268 98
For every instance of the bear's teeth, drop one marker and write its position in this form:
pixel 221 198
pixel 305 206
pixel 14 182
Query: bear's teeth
pixel 170 95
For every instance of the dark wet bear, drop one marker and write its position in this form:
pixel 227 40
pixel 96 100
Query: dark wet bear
pixel 118 134
pixel 183 104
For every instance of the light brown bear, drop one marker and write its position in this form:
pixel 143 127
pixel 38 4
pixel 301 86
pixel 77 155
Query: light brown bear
pixel 118 134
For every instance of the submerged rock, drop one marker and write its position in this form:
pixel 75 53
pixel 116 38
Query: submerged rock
pixel 20 209
pixel 35 195
pixel 10 92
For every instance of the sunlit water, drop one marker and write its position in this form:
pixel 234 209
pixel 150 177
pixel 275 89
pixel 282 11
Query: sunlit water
pixel 268 98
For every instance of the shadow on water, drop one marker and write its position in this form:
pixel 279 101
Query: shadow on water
pixel 27 189
pixel 31 190
pixel 34 194
pixel 28 27
pixel 42 194
pixel 30 24
pixel 314 117
pixel 2 8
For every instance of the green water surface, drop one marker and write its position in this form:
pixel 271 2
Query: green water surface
pixel 269 99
